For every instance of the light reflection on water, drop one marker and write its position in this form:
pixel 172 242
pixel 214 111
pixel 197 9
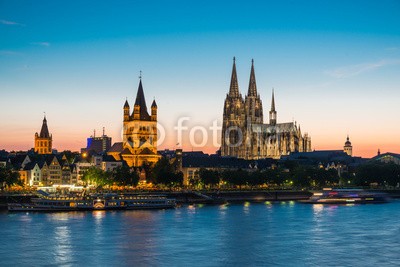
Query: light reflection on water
pixel 62 251
pixel 258 234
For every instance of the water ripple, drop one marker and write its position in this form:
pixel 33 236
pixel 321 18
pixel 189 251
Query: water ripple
pixel 249 234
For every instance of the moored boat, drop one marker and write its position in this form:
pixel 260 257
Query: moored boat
pixel 347 196
pixel 94 202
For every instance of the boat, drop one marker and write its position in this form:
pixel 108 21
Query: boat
pixel 346 196
pixel 94 202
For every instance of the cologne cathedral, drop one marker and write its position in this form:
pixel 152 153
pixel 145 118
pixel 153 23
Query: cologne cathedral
pixel 244 133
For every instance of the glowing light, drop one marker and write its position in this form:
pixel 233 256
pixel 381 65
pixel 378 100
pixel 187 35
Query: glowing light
pixel 318 208
pixel 223 206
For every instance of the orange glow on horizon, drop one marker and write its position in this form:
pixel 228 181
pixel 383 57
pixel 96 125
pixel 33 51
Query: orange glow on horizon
pixel 69 140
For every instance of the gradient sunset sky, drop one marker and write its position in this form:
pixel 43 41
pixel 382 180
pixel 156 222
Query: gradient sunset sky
pixel 334 65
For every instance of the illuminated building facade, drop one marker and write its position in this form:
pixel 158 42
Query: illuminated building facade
pixel 139 145
pixel 244 133
pixel 44 140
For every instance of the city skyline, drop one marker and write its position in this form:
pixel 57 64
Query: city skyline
pixel 334 67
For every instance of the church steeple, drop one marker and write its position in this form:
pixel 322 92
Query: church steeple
pixel 272 113
pixel 252 83
pixel 234 87
pixel 140 108
pixel 44 132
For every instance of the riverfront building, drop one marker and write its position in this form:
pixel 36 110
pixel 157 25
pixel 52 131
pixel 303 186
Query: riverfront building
pixel 244 133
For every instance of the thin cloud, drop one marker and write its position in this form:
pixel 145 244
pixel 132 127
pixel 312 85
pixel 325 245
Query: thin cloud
pixel 353 70
pixel 8 22
pixel 47 44
pixel 9 53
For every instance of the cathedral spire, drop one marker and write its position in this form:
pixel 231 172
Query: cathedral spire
pixel 234 88
pixel 44 132
pixel 252 83
pixel 272 113
pixel 273 101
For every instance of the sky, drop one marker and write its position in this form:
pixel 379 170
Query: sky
pixel 334 66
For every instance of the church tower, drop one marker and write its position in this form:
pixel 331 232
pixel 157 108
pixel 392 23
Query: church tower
pixel 233 124
pixel 348 148
pixel 140 132
pixel 253 103
pixel 43 141
pixel 254 115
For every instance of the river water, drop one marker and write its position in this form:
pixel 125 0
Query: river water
pixel 248 234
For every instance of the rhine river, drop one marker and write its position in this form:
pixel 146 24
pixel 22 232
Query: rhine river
pixel 249 234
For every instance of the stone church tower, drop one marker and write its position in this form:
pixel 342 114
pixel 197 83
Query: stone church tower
pixel 139 132
pixel 244 134
pixel 44 140
pixel 233 119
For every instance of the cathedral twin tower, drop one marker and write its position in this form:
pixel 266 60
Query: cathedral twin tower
pixel 244 134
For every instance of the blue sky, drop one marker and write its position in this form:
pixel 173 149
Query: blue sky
pixel 334 66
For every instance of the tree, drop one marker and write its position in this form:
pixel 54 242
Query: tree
pixel 256 178
pixel 209 177
pixel 380 173
pixel 164 173
pixel 8 177
pixel 147 167
pixel 97 177
pixel 235 178
pixel 125 176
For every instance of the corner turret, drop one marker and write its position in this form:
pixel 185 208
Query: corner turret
pixel 154 111
pixel 126 110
